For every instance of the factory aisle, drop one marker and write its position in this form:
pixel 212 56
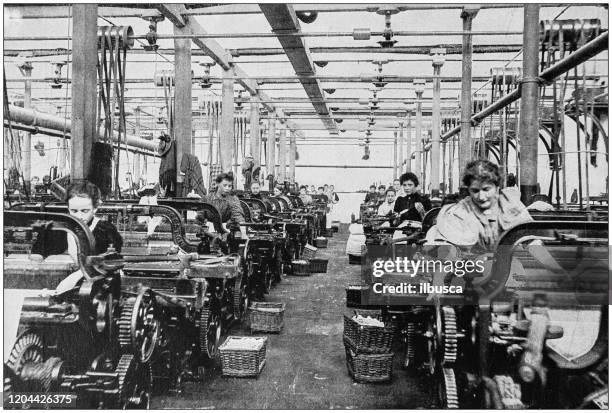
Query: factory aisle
pixel 306 366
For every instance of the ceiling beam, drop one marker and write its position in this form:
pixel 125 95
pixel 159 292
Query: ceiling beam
pixel 271 51
pixel 359 7
pixel 177 14
pixel 60 11
pixel 282 19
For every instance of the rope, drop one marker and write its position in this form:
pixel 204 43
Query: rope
pixel 13 144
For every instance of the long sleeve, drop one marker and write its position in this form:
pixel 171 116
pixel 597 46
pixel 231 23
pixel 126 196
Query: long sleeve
pixel 237 214
pixel 399 204
pixel 426 203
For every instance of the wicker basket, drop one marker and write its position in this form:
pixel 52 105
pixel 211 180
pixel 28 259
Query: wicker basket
pixel 309 252
pixel 320 242
pixel 318 265
pixel 266 317
pixel 367 312
pixel 368 339
pixel 301 268
pixel 368 368
pixel 238 360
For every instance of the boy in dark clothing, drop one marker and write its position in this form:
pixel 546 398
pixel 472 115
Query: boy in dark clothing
pixel 413 205
pixel 255 190
pixel 382 191
pixel 371 196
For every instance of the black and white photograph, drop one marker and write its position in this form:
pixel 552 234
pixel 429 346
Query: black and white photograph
pixel 305 206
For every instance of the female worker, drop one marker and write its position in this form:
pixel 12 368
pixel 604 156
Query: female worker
pixel 479 219
pixel 83 201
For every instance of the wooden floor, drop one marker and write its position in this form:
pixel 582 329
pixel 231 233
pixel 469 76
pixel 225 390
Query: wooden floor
pixel 306 366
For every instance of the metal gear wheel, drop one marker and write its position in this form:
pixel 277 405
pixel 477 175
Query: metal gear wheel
pixel 28 348
pixel 241 298
pixel 448 393
pixel 449 336
pixel 210 331
pixel 139 326
pixel 134 383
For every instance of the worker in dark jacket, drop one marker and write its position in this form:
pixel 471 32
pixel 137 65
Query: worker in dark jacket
pixel 412 206
pixel 228 205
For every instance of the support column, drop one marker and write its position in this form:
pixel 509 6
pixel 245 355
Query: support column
pixel 400 147
pixel 437 62
pixel 409 141
pixel 395 154
pixel 182 103
pixel 419 88
pixel 292 150
pixel 271 161
pixel 26 70
pixel 254 133
pixel 465 154
pixel 226 147
pixel 528 129
pixel 84 90
pixel 137 170
pixel 62 145
pixel 282 155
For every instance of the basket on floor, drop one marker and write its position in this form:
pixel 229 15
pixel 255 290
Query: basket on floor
pixel 368 368
pixel 368 339
pixel 329 233
pixel 243 356
pixel 266 317
pixel 318 265
pixel 367 312
pixel 300 268
pixel 335 226
pixel 309 252
pixel 320 242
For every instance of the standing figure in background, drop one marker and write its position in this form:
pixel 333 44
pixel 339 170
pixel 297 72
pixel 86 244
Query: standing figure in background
pixel 333 195
pixel 371 196
pixel 306 199
pixel 574 197
pixel 381 194
pixel 511 184
pixel 167 166
pixel 397 185
pixel 255 190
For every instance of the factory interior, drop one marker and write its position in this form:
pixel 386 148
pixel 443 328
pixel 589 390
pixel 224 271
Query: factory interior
pixel 306 206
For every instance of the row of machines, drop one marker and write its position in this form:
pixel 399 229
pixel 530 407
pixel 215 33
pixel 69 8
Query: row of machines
pixel 145 320
pixel 530 331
